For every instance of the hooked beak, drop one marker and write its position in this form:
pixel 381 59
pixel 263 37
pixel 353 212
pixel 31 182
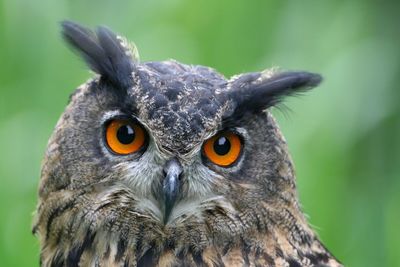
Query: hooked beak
pixel 171 185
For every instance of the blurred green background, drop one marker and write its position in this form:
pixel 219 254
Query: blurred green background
pixel 344 135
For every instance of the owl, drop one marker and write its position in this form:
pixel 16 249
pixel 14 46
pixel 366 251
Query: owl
pixel 167 164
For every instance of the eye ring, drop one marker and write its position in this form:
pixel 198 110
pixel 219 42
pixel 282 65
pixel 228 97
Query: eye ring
pixel 125 136
pixel 223 149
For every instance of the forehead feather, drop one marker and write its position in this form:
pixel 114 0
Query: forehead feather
pixel 178 102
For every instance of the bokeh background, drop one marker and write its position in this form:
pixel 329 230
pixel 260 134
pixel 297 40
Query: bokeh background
pixel 344 135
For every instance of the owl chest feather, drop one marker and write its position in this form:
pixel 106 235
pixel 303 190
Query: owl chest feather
pixel 252 253
pixel 107 225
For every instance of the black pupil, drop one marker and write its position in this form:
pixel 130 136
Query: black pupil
pixel 126 134
pixel 222 146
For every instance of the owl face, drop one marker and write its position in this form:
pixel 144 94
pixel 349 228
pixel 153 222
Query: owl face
pixel 168 139
pixel 160 152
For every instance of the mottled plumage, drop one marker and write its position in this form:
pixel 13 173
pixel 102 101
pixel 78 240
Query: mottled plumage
pixel 97 208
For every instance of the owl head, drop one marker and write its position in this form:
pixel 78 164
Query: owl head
pixel 157 156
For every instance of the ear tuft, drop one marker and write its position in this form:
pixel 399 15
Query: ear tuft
pixel 255 92
pixel 103 52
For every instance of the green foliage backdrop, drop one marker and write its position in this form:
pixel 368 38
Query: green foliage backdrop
pixel 344 135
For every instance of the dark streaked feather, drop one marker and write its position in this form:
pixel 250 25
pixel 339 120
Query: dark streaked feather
pixel 57 261
pixel 102 51
pixel 75 253
pixel 148 259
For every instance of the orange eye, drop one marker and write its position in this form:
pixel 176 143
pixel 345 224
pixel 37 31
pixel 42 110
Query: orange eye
pixel 223 148
pixel 124 136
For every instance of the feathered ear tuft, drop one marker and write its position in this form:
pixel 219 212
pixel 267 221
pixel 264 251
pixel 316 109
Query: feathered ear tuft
pixel 102 51
pixel 255 92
